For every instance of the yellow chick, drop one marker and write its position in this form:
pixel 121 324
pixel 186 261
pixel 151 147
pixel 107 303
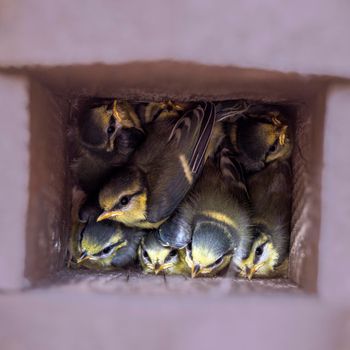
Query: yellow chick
pixel 155 258
pixel 270 192
pixel 261 139
pixel 213 223
pixel 107 245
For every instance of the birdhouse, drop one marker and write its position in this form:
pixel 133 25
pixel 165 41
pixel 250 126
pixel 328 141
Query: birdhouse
pixel 53 55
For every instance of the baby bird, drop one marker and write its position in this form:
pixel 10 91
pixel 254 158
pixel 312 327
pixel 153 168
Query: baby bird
pixel 159 175
pixel 270 193
pixel 107 245
pixel 155 258
pixel 260 139
pixel 213 223
pixel 100 127
pixel 108 134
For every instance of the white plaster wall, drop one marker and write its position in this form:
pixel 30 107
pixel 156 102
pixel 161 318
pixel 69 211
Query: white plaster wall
pixel 105 321
pixel 305 36
pixel 334 256
pixel 14 178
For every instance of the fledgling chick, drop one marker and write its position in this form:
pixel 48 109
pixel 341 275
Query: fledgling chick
pixel 270 193
pixel 160 174
pixel 100 127
pixel 213 223
pixel 155 258
pixel 261 139
pixel 108 134
pixel 107 245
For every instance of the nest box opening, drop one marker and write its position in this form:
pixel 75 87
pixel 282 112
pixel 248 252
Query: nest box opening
pixel 52 94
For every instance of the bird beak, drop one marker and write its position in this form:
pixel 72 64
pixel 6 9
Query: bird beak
pixel 107 215
pixel 195 270
pixel 282 137
pixel 249 272
pixel 157 268
pixel 110 145
pixel 82 257
pixel 116 114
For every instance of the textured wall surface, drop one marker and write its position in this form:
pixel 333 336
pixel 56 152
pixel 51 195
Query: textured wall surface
pixel 297 35
pixel 91 321
pixel 14 162
pixel 334 262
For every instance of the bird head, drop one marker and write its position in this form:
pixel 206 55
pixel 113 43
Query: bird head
pixel 210 250
pixel 155 258
pixel 110 128
pixel 99 242
pixel 98 128
pixel 262 259
pixel 265 137
pixel 124 197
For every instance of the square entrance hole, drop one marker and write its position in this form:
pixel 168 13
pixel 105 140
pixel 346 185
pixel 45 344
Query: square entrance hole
pixel 52 94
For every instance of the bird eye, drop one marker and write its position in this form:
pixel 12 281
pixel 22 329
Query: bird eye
pixel 145 255
pixel 218 261
pixel 258 251
pixel 107 250
pixel 110 130
pixel 124 200
pixel 173 253
pixel 273 148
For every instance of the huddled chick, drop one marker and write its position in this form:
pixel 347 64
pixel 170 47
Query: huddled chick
pixel 107 245
pixel 213 223
pixel 155 257
pixel 270 193
pixel 259 139
pixel 107 133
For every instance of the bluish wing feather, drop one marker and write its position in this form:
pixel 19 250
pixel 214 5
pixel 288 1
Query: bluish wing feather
pixel 175 232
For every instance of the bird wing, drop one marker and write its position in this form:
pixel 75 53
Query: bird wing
pixel 176 232
pixel 207 114
pixel 183 160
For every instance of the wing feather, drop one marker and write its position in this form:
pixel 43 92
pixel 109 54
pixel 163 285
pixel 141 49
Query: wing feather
pixel 183 161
